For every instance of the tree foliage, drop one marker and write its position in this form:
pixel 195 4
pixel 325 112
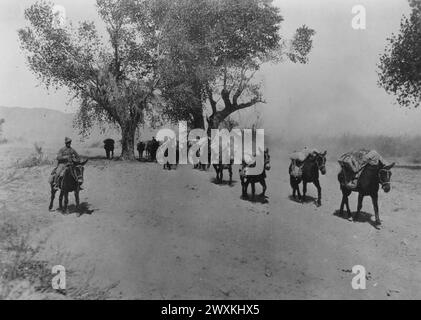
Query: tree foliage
pixel 216 47
pixel 400 65
pixel 113 79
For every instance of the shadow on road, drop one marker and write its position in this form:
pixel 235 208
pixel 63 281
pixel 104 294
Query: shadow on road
pixel 309 199
pixel 256 199
pixel 362 217
pixel 84 208
pixel 224 182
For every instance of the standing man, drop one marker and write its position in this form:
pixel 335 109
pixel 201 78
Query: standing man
pixel 65 156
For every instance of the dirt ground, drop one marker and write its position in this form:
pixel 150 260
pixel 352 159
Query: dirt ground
pixel 177 235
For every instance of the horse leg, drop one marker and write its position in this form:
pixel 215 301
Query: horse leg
pixel 244 187
pixel 345 202
pixel 319 192
pixel 60 200
pixel 341 208
pixel 263 183
pixel 66 201
pixel 375 201
pixel 53 194
pixel 253 190
pixel 77 202
pixel 304 190
pixel 347 205
pixel 230 172
pixel 77 199
pixel 293 186
pixel 360 204
pixel 298 190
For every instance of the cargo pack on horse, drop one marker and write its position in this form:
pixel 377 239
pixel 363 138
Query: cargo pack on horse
pixel 363 171
pixel 70 181
pixel 305 167
pixel 247 179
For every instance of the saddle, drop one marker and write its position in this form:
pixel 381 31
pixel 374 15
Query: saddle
pixel 58 180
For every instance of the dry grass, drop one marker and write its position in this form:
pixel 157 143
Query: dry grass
pixel 25 275
pixel 35 159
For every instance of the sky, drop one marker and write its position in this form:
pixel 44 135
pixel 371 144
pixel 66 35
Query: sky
pixel 335 93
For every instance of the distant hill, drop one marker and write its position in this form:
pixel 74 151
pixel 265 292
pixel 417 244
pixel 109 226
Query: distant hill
pixel 29 125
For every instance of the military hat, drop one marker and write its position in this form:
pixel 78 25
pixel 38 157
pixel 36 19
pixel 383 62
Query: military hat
pixel 67 140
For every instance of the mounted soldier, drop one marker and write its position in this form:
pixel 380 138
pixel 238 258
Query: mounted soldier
pixel 65 156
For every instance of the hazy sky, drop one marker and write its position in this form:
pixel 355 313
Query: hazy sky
pixel 335 93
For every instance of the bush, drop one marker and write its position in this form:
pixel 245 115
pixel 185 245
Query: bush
pixel 37 158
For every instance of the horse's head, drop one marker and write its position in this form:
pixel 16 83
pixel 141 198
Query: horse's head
pixel 267 159
pixel 320 159
pixel 77 171
pixel 384 177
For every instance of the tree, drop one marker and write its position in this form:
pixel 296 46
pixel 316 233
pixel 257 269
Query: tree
pixel 400 65
pixel 218 47
pixel 114 79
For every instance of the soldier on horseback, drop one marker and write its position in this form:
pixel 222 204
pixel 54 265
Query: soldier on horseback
pixel 65 156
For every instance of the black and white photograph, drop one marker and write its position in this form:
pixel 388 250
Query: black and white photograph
pixel 210 150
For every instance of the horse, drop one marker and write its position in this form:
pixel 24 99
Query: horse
pixel 310 173
pixel 109 148
pixel 219 169
pixel 70 182
pixel 372 176
pixel 253 179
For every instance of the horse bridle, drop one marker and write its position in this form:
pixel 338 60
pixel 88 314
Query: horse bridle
pixel 323 162
pixel 382 183
pixel 72 168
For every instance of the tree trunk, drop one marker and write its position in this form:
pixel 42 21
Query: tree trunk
pixel 128 131
pixel 198 122
pixel 216 118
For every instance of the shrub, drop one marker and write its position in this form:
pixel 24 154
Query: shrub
pixel 35 159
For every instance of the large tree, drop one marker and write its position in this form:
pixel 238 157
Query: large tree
pixel 216 47
pixel 113 79
pixel 400 65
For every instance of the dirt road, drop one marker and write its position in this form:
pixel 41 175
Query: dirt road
pixel 177 235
